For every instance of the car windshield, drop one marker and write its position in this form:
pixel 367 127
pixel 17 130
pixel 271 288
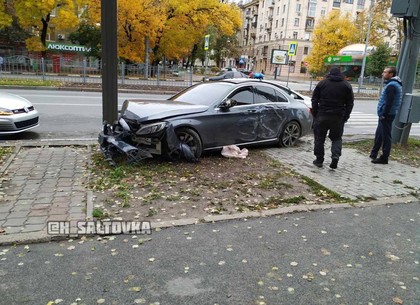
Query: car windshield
pixel 203 94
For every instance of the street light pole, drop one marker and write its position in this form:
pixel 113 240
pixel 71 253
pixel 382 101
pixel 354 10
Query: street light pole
pixel 362 73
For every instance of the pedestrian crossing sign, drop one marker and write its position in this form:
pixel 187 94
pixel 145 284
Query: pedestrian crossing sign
pixel 206 42
pixel 292 48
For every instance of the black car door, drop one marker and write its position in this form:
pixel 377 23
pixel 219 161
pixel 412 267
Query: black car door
pixel 273 112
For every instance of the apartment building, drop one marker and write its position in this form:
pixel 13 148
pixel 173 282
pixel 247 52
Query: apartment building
pixel 275 24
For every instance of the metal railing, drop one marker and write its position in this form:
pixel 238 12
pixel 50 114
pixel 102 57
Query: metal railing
pixel 91 72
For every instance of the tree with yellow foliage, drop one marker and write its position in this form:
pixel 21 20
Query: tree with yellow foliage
pixel 5 17
pixel 383 25
pixel 40 16
pixel 172 26
pixel 331 34
pixel 187 22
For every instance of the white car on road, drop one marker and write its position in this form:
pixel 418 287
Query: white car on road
pixel 17 114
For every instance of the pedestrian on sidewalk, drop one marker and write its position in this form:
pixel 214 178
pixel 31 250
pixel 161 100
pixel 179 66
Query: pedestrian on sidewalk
pixel 388 106
pixel 332 103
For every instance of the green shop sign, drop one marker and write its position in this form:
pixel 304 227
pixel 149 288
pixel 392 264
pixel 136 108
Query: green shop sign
pixel 337 59
pixel 66 47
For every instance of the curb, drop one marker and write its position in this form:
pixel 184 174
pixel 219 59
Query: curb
pixel 39 237
pixel 9 160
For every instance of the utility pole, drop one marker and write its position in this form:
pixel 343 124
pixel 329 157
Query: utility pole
pixel 407 64
pixel 362 73
pixel 109 61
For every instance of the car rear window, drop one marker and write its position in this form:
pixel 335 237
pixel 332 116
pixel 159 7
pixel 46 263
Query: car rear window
pixel 203 94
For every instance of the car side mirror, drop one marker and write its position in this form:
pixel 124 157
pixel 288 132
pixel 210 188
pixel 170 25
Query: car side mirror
pixel 228 103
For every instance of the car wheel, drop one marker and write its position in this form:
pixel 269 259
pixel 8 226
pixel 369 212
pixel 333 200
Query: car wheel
pixel 192 139
pixel 290 134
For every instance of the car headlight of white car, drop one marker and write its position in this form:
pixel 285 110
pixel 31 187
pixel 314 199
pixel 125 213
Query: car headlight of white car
pixel 5 111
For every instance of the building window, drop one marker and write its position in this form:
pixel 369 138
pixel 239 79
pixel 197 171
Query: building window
pixel 282 22
pixel 348 1
pixel 298 6
pixel 305 50
pixel 361 2
pixel 296 21
pixel 336 3
pixel 311 9
pixel 284 8
pixel 277 23
pixel 278 10
pixel 295 35
pixel 302 67
pixel 323 11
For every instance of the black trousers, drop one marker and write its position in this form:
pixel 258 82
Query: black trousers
pixel 383 138
pixel 333 125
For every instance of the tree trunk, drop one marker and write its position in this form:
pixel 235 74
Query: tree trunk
pixel 44 31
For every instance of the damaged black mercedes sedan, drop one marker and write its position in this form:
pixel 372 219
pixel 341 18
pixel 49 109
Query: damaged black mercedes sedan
pixel 204 117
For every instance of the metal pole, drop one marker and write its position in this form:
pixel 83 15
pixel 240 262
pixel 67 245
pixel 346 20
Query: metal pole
pixel 43 68
pixel 84 71
pixel 362 73
pixel 407 64
pixel 146 57
pixel 109 61
pixel 123 68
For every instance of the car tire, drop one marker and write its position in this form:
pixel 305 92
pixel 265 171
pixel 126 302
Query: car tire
pixel 192 139
pixel 290 134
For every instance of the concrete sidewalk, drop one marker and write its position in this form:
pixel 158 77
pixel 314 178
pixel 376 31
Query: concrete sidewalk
pixel 44 182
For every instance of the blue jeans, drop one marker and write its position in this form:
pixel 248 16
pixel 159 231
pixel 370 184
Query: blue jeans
pixel 383 138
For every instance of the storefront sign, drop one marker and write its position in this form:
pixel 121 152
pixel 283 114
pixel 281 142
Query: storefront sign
pixel 337 59
pixel 67 47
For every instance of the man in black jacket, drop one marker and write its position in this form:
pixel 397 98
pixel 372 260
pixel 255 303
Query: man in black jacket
pixel 332 103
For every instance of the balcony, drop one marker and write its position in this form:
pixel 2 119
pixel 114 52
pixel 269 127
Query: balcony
pixel 310 23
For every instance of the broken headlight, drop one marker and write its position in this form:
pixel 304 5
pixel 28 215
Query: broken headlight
pixel 151 128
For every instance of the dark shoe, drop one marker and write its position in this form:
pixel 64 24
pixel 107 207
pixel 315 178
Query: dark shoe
pixel 373 157
pixel 334 163
pixel 379 161
pixel 318 162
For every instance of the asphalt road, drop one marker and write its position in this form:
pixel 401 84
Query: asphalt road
pixel 67 114
pixel 353 256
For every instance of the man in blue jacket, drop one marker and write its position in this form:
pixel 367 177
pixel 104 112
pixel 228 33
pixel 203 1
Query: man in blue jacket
pixel 388 106
pixel 332 103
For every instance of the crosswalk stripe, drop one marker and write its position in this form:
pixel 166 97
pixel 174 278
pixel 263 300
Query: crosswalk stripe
pixel 363 120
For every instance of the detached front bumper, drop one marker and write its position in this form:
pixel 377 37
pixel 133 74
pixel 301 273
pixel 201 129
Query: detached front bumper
pixel 112 146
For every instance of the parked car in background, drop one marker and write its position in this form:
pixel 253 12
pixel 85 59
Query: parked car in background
pixel 16 63
pixel 207 116
pixel 17 114
pixel 226 75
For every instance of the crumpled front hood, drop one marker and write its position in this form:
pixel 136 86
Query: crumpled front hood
pixel 12 101
pixel 142 111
